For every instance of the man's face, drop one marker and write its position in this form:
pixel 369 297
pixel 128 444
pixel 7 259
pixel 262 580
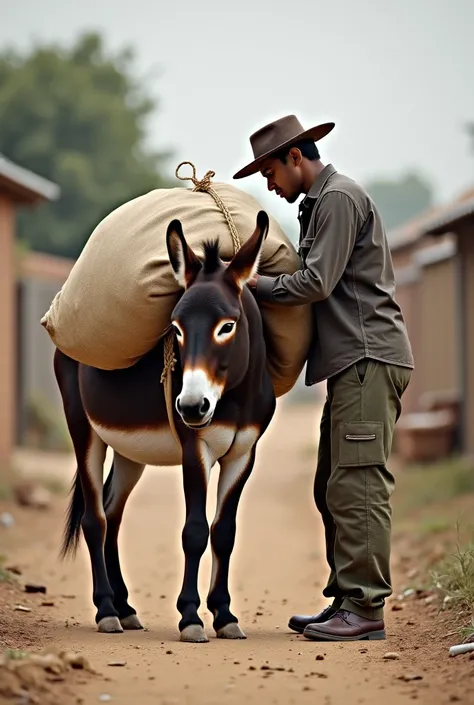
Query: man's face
pixel 285 179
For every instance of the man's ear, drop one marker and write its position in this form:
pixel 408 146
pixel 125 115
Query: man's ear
pixel 296 156
pixel 186 265
pixel 244 264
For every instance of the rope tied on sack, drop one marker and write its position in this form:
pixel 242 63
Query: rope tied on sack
pixel 169 361
pixel 205 185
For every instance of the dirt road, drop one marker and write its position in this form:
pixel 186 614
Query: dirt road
pixel 278 569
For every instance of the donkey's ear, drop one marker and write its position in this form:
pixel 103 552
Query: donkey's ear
pixel 245 263
pixel 186 265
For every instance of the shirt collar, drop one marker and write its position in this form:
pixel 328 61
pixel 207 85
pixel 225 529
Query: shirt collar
pixel 320 181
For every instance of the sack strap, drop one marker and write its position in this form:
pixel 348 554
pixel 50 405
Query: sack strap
pixel 169 359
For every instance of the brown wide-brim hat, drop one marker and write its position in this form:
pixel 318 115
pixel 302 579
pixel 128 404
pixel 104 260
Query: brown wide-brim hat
pixel 278 135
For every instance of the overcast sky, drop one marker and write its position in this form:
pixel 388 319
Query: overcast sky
pixel 396 77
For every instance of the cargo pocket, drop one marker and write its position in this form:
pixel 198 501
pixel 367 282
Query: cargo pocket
pixel 361 444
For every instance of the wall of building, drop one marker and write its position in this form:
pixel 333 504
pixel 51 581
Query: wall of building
pixel 466 247
pixel 40 278
pixel 7 328
pixel 407 296
pixel 438 335
pixel 426 291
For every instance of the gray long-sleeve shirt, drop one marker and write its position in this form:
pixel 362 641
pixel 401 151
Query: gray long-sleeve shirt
pixel 347 275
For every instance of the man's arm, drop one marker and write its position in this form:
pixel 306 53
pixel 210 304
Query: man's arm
pixel 335 233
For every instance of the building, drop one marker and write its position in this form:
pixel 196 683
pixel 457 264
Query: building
pixel 421 267
pixel 427 275
pixel 457 221
pixel 40 420
pixel 19 188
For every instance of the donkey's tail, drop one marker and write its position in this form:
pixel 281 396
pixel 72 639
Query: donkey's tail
pixel 75 512
pixel 72 531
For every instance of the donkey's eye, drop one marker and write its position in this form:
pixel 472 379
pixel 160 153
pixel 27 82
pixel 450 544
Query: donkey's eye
pixel 227 328
pixel 224 331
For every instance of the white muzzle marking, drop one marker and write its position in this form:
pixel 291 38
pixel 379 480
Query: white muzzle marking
pixel 197 388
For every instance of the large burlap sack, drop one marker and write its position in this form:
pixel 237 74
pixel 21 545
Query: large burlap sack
pixel 118 298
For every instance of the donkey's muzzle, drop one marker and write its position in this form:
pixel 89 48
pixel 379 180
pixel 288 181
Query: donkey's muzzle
pixel 194 412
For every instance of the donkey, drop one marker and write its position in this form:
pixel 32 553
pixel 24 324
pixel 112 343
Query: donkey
pixel 223 402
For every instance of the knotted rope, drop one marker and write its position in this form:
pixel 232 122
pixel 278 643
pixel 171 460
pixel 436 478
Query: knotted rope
pixel 169 361
pixel 205 185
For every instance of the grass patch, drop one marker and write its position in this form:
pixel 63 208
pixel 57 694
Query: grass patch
pixel 434 525
pixel 5 575
pixel 453 581
pixel 15 654
pixel 6 492
pixel 431 502
pixel 45 426
pixel 420 486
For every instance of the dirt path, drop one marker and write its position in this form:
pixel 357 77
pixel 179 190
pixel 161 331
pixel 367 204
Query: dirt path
pixel 278 570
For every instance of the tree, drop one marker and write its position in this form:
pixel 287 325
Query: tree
pixel 399 200
pixel 76 116
pixel 470 132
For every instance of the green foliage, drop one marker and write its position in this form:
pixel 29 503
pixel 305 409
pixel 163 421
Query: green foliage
pixel 46 428
pixel 15 654
pixel 400 200
pixel 454 583
pixel 76 116
pixel 5 575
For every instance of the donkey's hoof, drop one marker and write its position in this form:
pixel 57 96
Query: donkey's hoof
pixel 194 634
pixel 131 622
pixel 231 631
pixel 110 625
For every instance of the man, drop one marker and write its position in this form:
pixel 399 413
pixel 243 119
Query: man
pixel 361 348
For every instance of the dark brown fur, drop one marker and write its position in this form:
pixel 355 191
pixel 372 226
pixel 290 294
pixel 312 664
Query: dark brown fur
pixel 133 400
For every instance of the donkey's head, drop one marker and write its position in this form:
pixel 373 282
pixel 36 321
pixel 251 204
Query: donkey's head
pixel 209 321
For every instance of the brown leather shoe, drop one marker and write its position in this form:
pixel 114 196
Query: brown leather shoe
pixel 300 621
pixel 346 626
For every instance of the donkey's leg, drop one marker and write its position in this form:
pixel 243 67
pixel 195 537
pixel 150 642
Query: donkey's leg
pixel 125 475
pixel 234 473
pixel 94 527
pixel 87 509
pixel 196 469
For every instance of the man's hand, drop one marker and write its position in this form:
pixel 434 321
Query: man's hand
pixel 253 282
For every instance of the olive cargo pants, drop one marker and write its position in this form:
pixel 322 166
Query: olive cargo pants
pixel 353 485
